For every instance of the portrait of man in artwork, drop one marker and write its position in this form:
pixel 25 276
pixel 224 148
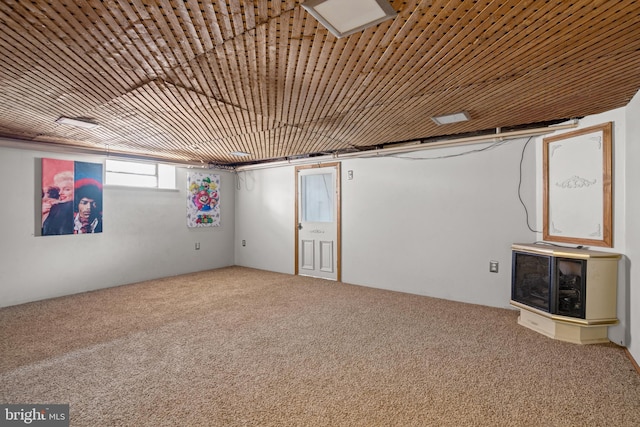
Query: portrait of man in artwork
pixel 87 206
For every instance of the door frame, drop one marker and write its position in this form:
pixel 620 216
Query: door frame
pixel 338 200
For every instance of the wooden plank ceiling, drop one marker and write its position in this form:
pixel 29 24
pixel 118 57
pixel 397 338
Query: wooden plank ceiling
pixel 194 80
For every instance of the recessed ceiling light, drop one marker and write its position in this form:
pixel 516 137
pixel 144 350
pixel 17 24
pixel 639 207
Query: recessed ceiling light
pixel 446 119
pixel 81 123
pixel 347 17
pixel 240 154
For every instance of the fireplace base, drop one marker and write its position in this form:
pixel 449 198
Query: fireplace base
pixel 564 329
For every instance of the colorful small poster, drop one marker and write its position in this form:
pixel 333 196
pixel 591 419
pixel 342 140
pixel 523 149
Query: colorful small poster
pixel 203 200
pixel 71 197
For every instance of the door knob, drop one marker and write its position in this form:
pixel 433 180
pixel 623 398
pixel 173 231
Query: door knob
pixel 299 226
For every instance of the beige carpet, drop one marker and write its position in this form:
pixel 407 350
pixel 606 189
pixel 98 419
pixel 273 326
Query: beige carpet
pixel 243 347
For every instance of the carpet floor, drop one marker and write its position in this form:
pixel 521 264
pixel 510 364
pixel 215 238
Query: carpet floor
pixel 244 347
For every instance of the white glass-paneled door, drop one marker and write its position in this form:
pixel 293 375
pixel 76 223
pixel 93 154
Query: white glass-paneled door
pixel 318 220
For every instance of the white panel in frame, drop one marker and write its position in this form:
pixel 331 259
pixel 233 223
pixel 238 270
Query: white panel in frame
pixel 308 255
pixel 203 200
pixel 326 256
pixel 577 205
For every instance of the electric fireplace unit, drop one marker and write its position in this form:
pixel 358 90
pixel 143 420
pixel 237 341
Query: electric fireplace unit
pixel 565 293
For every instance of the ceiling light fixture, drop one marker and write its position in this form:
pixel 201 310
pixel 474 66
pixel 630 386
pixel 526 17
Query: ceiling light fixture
pixel 240 153
pixel 81 123
pixel 446 119
pixel 347 17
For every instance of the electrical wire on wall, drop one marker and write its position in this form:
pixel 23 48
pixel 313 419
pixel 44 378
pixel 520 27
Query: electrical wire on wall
pixel 479 150
pixel 526 211
pixel 464 153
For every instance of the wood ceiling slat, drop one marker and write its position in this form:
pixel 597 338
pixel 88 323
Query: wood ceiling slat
pixel 213 26
pixel 277 65
pixel 470 67
pixel 317 87
pixel 348 95
pixel 438 30
pixel 263 76
pixel 238 100
pixel 64 80
pixel 236 16
pixel 467 94
pixel 467 68
pixel 271 75
pixel 262 12
pixel 341 78
pixel 146 107
pixel 89 43
pixel 492 53
pixel 188 26
pixel 224 22
pixel 294 75
pixel 172 30
pixel 249 8
pixel 249 120
pixel 242 80
pixel 144 100
pixel 329 59
pixel 146 24
pixel 18 63
pixel 551 47
pixel 110 22
pixel 215 120
pixel 311 45
pixel 165 28
pixel 409 85
pixel 79 64
pixel 200 25
pixel 184 117
pixel 560 65
pixel 259 58
pixel 361 101
pixel 314 73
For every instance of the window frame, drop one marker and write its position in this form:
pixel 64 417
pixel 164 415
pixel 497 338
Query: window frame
pixel 163 175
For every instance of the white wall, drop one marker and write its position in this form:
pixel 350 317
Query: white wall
pixel 632 224
pixel 431 227
pixel 428 227
pixel 265 216
pixel 620 333
pixel 145 236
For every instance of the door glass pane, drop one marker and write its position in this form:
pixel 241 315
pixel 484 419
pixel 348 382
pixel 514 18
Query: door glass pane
pixel 317 198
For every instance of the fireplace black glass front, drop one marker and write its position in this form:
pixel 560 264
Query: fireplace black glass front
pixel 570 294
pixel 551 284
pixel 531 280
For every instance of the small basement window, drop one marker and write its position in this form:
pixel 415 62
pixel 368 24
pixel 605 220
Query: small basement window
pixel 139 174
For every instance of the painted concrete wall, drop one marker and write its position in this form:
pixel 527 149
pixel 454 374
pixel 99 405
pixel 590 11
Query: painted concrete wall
pixel 632 224
pixel 430 222
pixel 265 215
pixel 145 236
pixel 426 226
